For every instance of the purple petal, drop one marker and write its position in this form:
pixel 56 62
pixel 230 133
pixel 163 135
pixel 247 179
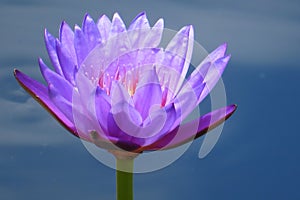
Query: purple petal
pixel 67 40
pixel 124 122
pixel 168 71
pixel 198 75
pixel 217 53
pixel 85 87
pixel 63 86
pixel 81 47
pixel 156 119
pixel 192 130
pixel 118 42
pixel 103 107
pixel 213 75
pixel 67 62
pixel 104 26
pixel 182 46
pixel 40 93
pixel 187 100
pixel 127 120
pixel 139 22
pixel 60 102
pixel 209 71
pixel 154 35
pixel 91 31
pixel 117 26
pixel 85 117
pixel 138 30
pixel 148 92
pixel 51 49
pixel 115 125
pixel 119 94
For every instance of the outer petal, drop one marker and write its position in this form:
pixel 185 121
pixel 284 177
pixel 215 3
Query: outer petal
pixel 85 117
pixel 148 92
pixel 139 22
pixel 182 46
pixel 192 130
pixel 91 31
pixel 154 35
pixel 213 75
pixel 61 85
pixel 51 49
pixel 60 102
pixel 117 26
pixel 118 42
pixel 67 40
pixel 209 71
pixel 40 94
pixel 81 47
pixel 67 62
pixel 104 26
pixel 217 53
pixel 187 100
pixel 138 30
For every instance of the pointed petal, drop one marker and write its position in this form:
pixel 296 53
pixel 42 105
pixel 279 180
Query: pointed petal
pixel 139 22
pixel 118 42
pixel 84 115
pixel 85 87
pixel 104 26
pixel 182 46
pixel 67 40
pixel 81 47
pixel 213 75
pixel 209 71
pixel 67 62
pixel 138 30
pixel 51 49
pixel 192 130
pixel 63 86
pixel 60 102
pixel 117 26
pixel 218 53
pixel 187 100
pixel 148 92
pixel 91 31
pixel 154 35
pixel 40 94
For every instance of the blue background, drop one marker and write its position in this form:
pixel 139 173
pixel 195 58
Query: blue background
pixel 257 156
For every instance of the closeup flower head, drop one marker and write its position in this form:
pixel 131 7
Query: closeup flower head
pixel 117 88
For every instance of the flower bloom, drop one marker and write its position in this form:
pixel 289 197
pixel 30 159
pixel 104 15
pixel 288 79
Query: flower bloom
pixel 113 86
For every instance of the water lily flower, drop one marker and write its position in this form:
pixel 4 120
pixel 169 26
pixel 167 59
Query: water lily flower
pixel 115 87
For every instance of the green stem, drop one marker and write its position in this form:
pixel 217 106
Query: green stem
pixel 124 180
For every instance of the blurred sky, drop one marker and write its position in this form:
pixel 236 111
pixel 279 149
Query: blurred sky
pixel 257 154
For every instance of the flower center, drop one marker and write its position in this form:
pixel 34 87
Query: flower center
pixel 128 77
